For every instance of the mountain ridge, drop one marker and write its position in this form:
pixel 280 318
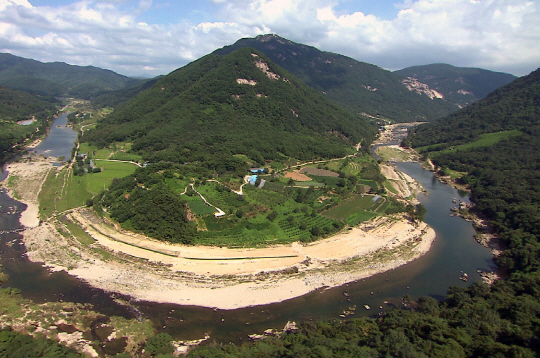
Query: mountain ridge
pixel 361 88
pixel 459 85
pixel 58 78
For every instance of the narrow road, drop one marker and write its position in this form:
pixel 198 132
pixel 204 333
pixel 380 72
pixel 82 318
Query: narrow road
pixel 220 212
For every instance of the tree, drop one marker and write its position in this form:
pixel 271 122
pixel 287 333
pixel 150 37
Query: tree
pixel 159 344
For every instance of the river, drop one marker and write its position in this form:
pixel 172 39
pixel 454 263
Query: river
pixel 453 251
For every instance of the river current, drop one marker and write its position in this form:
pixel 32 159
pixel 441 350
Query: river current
pixel 453 252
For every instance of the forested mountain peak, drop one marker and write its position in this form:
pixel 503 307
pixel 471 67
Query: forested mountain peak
pixel 57 78
pixel 359 87
pixel 460 85
pixel 241 103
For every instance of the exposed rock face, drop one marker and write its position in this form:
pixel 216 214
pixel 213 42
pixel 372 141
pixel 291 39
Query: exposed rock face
pixel 414 85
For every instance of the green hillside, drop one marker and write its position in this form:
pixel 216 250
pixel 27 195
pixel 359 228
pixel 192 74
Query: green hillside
pixel 207 111
pixel 57 78
pixel 359 87
pixel 19 105
pixel 16 106
pixel 116 97
pixel 459 85
pixel 495 144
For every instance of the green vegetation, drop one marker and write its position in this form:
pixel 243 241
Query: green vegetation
pixel 64 191
pixel 352 206
pixel 276 213
pixel 484 140
pixel 14 344
pixel 35 329
pixel 200 113
pixel 16 106
pixel 356 86
pixel 58 78
pixel 470 322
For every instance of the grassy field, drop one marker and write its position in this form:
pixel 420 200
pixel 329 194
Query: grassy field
pixel 292 221
pixel 118 151
pixel 485 140
pixel 198 206
pixel 96 182
pixel 66 191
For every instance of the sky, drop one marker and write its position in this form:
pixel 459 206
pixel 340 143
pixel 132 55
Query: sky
pixel 146 38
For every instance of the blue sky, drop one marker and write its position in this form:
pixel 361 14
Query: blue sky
pixel 152 37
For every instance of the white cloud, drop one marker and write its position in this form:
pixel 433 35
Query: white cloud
pixel 495 34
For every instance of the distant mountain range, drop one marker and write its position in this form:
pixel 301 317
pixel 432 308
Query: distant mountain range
pixel 359 87
pixel 420 93
pixel 240 103
pixel 58 78
pixel 459 85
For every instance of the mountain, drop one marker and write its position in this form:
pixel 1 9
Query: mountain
pixel 16 106
pixel 116 97
pixel 220 106
pixel 459 85
pixel 19 105
pixel 359 87
pixel 57 78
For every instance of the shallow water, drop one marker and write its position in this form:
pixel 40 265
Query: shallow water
pixel 59 141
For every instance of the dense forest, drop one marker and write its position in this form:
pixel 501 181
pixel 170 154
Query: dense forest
pixel 16 106
pixel 356 86
pixel 142 202
pixel 205 112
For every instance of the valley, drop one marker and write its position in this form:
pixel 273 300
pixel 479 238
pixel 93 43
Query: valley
pixel 232 193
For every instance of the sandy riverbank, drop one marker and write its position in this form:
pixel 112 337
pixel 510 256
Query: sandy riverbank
pixel 147 269
pixel 27 177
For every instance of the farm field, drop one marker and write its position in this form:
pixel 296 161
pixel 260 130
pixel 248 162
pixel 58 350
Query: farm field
pixel 356 209
pixel 118 151
pixel 66 191
pixel 319 172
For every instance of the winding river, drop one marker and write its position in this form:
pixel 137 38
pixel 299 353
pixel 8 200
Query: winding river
pixel 454 251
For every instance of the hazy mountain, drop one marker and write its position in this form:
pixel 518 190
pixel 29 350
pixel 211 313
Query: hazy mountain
pixel 459 85
pixel 57 78
pixel 241 103
pixel 117 97
pixel 359 87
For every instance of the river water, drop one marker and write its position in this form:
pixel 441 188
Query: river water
pixel 453 251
